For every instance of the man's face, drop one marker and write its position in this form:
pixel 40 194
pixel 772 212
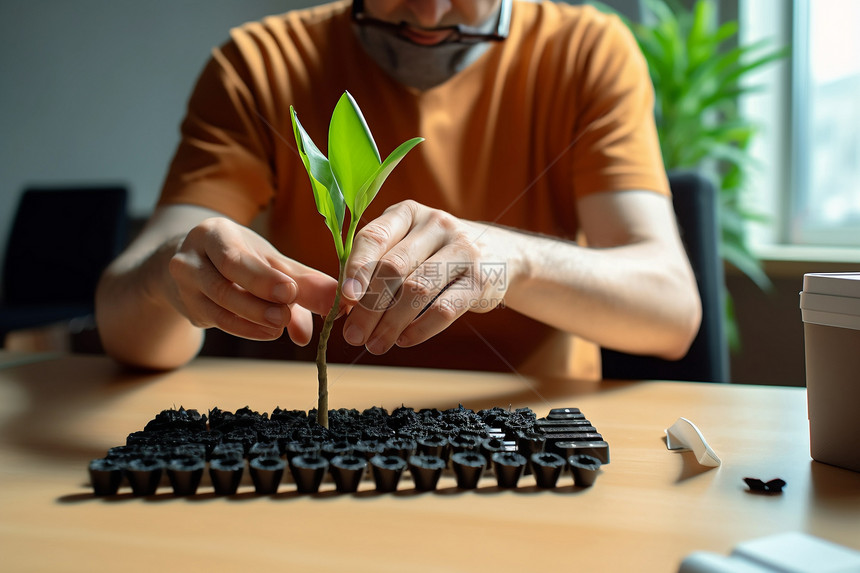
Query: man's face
pixel 423 17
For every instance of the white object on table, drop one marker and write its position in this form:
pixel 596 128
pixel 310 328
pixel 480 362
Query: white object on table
pixel 684 435
pixel 782 553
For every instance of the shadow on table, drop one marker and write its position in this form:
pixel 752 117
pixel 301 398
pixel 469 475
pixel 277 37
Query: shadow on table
pixel 690 466
pixel 833 486
pixel 165 495
pixel 46 407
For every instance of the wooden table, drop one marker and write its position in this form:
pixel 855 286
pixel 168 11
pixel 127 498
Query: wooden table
pixel 8 359
pixel 649 508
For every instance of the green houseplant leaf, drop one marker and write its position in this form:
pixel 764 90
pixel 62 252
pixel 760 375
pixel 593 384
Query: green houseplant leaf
pixel 352 151
pixel 374 183
pixel 697 83
pixel 349 179
pixel 327 194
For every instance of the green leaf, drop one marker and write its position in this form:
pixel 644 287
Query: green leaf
pixel 352 175
pixel 352 152
pixel 374 183
pixel 761 61
pixel 672 53
pixel 327 195
pixel 730 130
pixel 747 263
pixel 705 77
pixel 724 32
pixel 733 333
pixel 698 39
pixel 733 155
pixel 698 78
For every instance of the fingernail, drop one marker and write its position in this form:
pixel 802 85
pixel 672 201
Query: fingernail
pixel 352 289
pixel 275 315
pixel 375 346
pixel 284 292
pixel 353 335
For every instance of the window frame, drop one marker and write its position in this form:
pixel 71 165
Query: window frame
pixel 779 108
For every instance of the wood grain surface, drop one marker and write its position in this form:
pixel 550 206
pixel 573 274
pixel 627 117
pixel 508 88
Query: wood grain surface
pixel 649 508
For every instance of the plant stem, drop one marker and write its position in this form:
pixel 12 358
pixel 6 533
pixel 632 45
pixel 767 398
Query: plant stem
pixel 322 370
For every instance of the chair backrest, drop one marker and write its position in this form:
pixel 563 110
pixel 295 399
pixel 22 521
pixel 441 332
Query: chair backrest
pixel 61 240
pixel 695 202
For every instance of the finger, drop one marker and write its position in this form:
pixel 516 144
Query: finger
pixel 237 301
pixel 301 326
pixel 315 290
pixel 240 263
pixel 229 322
pixel 419 290
pixel 389 296
pixel 194 275
pixel 372 242
pixel 436 318
pixel 453 303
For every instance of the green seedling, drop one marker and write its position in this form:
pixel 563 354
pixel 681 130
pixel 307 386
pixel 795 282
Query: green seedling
pixel 349 178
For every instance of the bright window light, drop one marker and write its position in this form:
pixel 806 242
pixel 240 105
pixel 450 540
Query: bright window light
pixel 826 86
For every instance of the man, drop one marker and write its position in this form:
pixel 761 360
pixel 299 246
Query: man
pixel 538 130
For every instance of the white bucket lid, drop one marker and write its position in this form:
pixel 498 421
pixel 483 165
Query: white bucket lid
pixel 831 299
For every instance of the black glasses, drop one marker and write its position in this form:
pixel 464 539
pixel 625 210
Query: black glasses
pixel 460 34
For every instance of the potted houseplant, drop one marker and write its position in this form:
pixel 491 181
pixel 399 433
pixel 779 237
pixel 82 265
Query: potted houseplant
pixel 699 74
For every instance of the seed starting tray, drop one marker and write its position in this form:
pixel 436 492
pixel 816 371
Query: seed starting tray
pixel 289 448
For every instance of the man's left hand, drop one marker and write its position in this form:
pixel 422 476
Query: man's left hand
pixel 414 270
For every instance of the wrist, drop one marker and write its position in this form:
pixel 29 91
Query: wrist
pixel 507 259
pixel 157 284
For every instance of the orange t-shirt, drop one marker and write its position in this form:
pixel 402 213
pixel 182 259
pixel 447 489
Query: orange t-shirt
pixel 559 110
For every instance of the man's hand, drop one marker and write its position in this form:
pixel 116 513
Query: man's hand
pixel 191 268
pixel 415 270
pixel 631 288
pixel 229 277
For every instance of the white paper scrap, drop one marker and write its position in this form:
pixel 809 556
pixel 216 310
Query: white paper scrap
pixel 684 435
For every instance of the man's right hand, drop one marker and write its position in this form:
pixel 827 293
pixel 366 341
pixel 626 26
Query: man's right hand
pixel 191 268
pixel 229 277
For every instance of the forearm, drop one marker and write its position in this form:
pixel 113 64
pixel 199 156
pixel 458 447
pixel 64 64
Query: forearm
pixel 137 324
pixel 631 289
pixel 631 297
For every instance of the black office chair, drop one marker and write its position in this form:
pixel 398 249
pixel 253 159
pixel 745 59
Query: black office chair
pixel 695 202
pixel 61 240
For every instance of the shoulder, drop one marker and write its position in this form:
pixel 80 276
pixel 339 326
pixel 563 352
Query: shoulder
pixel 302 29
pixel 548 15
pixel 586 53
pixel 304 18
pixel 580 31
pixel 280 55
pixel 310 20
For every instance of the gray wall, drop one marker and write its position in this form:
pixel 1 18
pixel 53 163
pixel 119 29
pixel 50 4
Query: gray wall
pixel 94 90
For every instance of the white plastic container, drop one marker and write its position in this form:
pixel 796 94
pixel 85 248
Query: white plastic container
pixel 830 308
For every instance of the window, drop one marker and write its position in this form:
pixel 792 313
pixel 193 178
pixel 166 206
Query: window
pixel 827 122
pixel 809 110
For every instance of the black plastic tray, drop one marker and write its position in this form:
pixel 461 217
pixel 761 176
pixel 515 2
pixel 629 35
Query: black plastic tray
pixel 288 448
